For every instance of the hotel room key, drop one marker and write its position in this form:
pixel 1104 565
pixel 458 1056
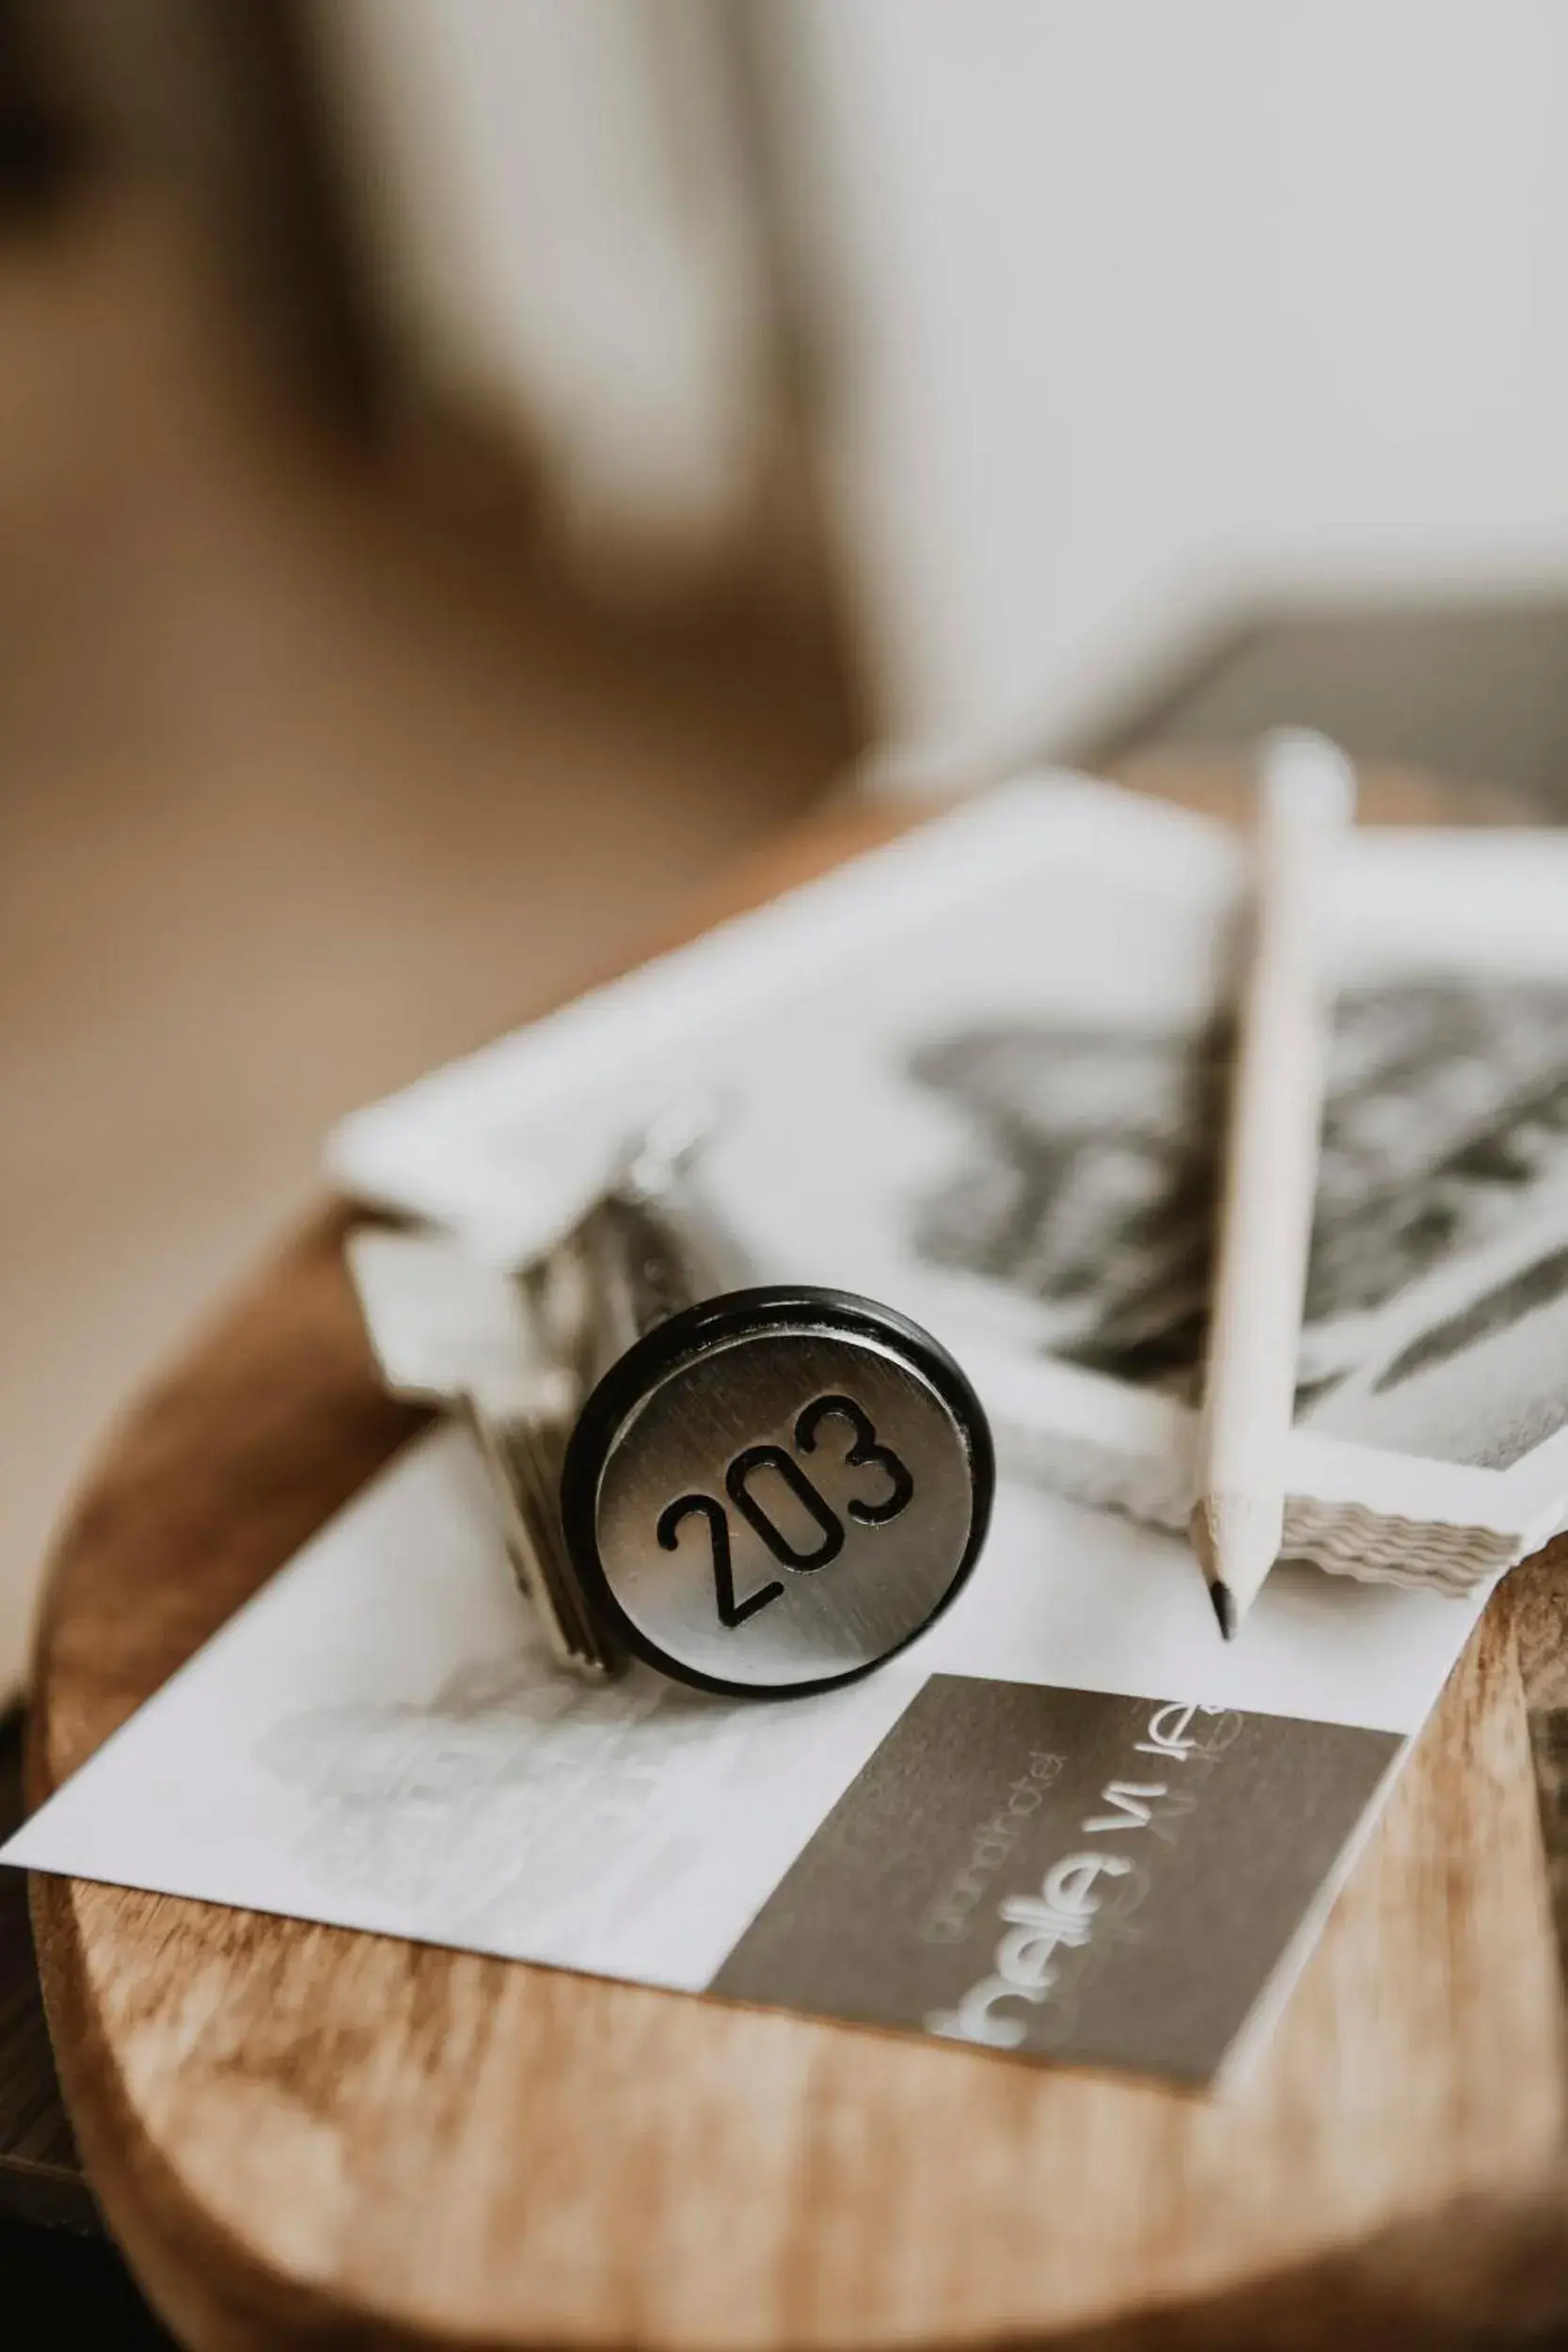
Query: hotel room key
pixel 767 1490
pixel 770 1488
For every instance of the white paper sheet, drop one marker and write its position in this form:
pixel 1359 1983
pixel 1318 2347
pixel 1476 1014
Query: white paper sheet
pixel 378 1741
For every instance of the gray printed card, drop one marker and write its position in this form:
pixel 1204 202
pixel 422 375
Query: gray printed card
pixel 1066 1874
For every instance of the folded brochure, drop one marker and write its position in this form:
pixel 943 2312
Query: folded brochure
pixel 975 1074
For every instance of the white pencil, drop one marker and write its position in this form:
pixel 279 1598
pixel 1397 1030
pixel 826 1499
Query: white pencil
pixel 1307 797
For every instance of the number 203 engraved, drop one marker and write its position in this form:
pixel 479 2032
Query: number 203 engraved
pixel 864 1451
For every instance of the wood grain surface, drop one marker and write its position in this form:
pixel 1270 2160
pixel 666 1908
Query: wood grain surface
pixel 40 2173
pixel 303 2136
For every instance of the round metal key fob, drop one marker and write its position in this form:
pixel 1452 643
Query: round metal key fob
pixel 772 1489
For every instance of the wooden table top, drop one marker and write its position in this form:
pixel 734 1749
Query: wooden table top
pixel 303 2136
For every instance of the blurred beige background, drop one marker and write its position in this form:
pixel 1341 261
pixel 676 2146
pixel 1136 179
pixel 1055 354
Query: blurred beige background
pixel 467 466
pixel 306 782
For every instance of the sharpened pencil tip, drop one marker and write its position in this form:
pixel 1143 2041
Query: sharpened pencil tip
pixel 1225 1609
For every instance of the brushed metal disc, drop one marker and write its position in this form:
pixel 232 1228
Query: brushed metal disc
pixel 786 1506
